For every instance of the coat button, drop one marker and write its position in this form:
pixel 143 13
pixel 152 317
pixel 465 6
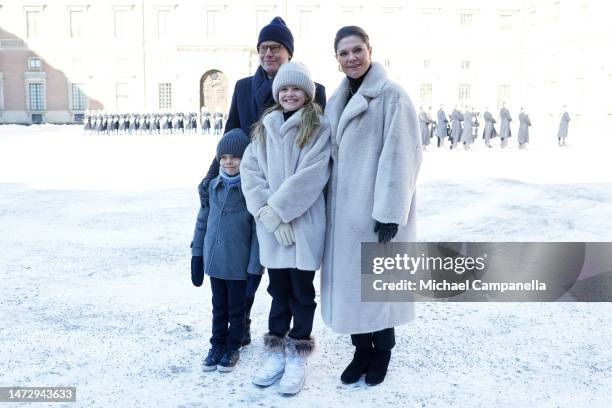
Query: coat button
pixel 219 242
pixel 223 213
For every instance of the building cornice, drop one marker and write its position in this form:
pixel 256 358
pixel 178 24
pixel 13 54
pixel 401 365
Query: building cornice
pixel 34 75
pixel 199 48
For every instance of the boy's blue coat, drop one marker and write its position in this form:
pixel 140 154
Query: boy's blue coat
pixel 225 234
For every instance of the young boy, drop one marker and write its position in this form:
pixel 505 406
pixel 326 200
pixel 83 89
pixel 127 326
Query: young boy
pixel 225 247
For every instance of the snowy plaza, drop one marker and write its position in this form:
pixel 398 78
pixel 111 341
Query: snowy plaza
pixel 96 293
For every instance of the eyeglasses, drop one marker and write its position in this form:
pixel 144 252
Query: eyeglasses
pixel 274 49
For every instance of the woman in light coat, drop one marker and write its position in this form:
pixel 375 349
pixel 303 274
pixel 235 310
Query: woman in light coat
pixel 376 155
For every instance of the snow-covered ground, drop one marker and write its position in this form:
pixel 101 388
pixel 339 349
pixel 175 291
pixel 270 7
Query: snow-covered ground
pixel 95 289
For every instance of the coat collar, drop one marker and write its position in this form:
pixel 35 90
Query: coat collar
pixel 261 86
pixel 218 182
pixel 371 87
pixel 275 123
pixel 339 115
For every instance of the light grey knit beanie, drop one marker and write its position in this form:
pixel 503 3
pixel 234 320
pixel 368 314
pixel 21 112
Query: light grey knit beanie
pixel 295 74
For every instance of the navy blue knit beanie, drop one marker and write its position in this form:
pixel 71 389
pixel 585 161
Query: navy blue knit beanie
pixel 277 31
pixel 233 142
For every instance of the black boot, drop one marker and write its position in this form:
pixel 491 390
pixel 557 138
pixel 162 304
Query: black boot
pixel 378 367
pixel 359 365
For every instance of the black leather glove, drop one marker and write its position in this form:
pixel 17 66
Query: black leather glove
pixel 197 270
pixel 386 232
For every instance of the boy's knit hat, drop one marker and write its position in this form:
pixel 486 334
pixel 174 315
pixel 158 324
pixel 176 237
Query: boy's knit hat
pixel 296 74
pixel 233 142
pixel 277 31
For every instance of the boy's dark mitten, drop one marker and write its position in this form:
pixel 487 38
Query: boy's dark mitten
pixel 197 270
pixel 386 232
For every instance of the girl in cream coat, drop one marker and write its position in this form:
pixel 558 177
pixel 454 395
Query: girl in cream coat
pixel 284 171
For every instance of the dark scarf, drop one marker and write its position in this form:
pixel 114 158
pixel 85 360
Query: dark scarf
pixel 262 90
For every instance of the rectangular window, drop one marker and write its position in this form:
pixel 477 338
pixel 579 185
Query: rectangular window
pixel 120 24
pixel 165 95
pixel 121 97
pixel 262 18
pixel 608 93
pixel 305 23
pixel 76 23
pixel 465 65
pixel 556 11
pixel 425 93
pixel 578 105
pixel 465 19
pixel 121 65
pixel 503 94
pixel 505 22
pixel 349 15
pixel 211 23
pixel 36 93
pixel 387 63
pixel 428 21
pixel 532 17
pixel 426 64
pixel 163 20
pixel 391 24
pixel 32 23
pixel 34 64
pixel 464 93
pixel 1 93
pixel 79 100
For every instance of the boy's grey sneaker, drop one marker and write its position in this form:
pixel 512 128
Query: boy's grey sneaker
pixel 228 361
pixel 212 359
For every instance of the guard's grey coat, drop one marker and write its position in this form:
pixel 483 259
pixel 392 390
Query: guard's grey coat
pixel 504 129
pixel 291 180
pixel 424 122
pixel 489 129
pixel 456 119
pixel 523 133
pixel 376 155
pixel 442 122
pixel 564 125
pixel 468 125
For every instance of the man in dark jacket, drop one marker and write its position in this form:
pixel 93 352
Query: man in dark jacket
pixel 252 96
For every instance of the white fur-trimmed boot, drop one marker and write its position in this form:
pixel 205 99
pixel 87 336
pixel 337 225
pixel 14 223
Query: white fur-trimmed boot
pixel 295 369
pixel 273 366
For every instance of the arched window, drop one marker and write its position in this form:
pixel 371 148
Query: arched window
pixel 213 91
